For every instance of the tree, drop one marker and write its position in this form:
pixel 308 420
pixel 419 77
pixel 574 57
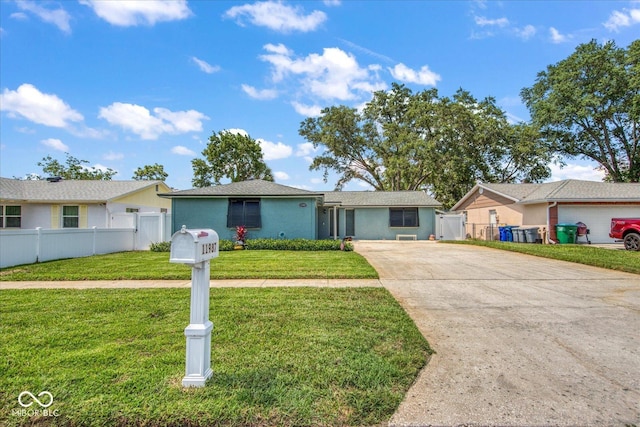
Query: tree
pixel 74 169
pixel 230 155
pixel 153 172
pixel 407 141
pixel 588 105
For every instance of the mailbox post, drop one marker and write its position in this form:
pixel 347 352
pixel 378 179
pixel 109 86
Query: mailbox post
pixel 196 248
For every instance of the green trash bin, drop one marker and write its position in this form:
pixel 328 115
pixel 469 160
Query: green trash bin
pixel 566 233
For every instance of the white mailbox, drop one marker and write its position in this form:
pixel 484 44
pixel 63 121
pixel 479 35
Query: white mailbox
pixel 193 246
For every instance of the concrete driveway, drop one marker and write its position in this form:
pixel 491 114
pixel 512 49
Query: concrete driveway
pixel 519 340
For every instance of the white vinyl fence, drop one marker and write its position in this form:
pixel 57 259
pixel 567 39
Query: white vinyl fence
pixel 28 246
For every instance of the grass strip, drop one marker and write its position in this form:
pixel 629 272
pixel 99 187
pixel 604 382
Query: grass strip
pixel 281 356
pixel 628 261
pixel 145 265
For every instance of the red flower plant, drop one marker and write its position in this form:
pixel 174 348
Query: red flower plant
pixel 241 233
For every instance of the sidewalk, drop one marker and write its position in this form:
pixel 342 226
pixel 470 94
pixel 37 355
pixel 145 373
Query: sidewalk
pixel 241 283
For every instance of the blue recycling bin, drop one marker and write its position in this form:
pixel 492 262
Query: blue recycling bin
pixel 503 234
pixel 508 230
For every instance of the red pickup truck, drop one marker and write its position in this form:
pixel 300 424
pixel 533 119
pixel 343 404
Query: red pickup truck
pixel 627 230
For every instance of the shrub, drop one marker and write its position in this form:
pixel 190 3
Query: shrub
pixel 160 247
pixel 289 245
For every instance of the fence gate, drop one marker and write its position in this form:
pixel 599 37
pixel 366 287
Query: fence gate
pixel 150 229
pixel 450 227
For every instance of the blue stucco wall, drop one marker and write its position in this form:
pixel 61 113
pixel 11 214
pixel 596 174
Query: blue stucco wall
pixel 279 215
pixel 373 224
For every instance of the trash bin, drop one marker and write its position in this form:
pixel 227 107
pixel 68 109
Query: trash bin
pixel 503 234
pixel 518 234
pixel 566 233
pixel 531 234
pixel 508 231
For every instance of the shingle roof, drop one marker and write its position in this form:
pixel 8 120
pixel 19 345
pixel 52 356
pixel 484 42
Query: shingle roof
pixel 260 188
pixel 568 190
pixel 67 191
pixel 380 198
pixel 250 188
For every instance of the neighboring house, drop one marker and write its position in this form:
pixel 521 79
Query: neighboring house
pixel 58 203
pixel 273 210
pixel 544 205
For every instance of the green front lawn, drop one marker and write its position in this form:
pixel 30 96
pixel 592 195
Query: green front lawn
pixel 620 260
pixel 280 356
pixel 264 264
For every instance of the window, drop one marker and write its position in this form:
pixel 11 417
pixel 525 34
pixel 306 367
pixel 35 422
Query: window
pixel 70 216
pixel 132 210
pixel 403 217
pixel 244 212
pixel 10 216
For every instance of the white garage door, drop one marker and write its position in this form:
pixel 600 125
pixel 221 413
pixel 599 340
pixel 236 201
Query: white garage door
pixel 597 218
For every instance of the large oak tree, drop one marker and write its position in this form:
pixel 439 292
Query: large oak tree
pixel 409 141
pixel 588 105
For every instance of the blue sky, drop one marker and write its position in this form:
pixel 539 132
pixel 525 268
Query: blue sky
pixel 123 84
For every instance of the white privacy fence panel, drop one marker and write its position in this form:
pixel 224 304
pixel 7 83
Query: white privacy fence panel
pixel 29 246
pixel 18 247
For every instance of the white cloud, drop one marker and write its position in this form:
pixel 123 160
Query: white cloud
pixel 205 66
pixel 526 32
pixel 618 19
pixel 20 16
pixel 333 75
pixel 58 17
pixel 45 109
pixel 139 12
pixel 281 176
pixel 306 150
pixel 263 94
pixel 500 22
pixel 307 110
pixel 556 36
pixel 575 171
pixel 274 150
pixel 55 143
pixel 182 151
pixel 277 16
pixel 424 77
pixel 139 120
pixel 182 121
pixel 113 156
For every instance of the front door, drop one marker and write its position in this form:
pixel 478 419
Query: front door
pixel 351 223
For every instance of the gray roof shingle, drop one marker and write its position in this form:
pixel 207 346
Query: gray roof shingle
pixel 250 188
pixel 380 198
pixel 568 190
pixel 260 188
pixel 68 190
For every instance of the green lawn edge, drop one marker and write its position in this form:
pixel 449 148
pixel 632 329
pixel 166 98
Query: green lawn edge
pixel 146 265
pixel 612 259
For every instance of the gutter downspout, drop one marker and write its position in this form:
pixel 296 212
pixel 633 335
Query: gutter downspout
pixel 552 205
